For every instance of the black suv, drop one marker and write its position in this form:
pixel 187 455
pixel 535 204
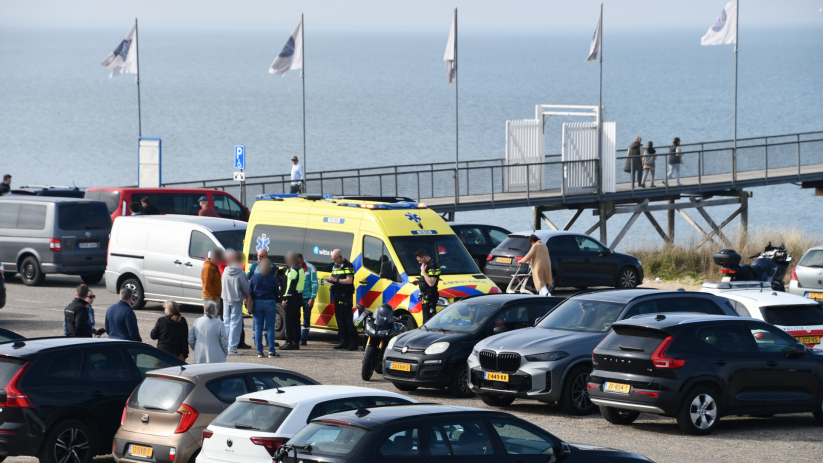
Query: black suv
pixel 698 369
pixel 435 434
pixel 62 398
pixel 578 260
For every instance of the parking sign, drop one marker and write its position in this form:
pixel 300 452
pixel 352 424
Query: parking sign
pixel 239 157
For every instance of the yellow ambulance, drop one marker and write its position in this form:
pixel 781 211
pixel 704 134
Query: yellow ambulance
pixel 378 237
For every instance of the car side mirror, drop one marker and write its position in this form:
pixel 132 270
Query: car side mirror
pixel 565 450
pixel 799 350
pixel 606 252
pixel 499 329
pixel 387 270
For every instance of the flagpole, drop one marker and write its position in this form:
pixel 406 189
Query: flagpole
pixel 139 115
pixel 734 142
pixel 600 104
pixel 456 112
pixel 303 79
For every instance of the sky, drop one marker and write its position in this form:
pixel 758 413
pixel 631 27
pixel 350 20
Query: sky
pixel 476 16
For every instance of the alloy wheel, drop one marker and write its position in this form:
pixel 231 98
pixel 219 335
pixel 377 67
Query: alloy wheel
pixel 703 411
pixel 628 279
pixel 463 381
pixel 135 295
pixel 580 392
pixel 72 446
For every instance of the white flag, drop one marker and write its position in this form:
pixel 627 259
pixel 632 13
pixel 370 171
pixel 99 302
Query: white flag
pixel 724 29
pixel 123 60
pixel 451 69
pixel 598 32
pixel 292 55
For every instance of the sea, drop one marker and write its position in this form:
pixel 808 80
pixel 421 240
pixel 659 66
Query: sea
pixel 382 98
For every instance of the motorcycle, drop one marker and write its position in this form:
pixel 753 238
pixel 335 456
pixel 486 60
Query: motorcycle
pixel 769 266
pixel 379 327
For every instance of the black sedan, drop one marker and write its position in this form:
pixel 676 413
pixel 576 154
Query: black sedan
pixel 435 354
pixel 578 260
pixel 479 239
pixel 435 433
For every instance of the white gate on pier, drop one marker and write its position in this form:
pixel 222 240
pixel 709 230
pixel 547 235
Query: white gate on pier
pixel 525 144
pixel 580 157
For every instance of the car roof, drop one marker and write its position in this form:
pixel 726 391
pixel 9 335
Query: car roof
pixel 677 318
pixel 210 223
pixel 767 298
pixel 157 190
pixel 502 298
pixel 545 234
pixel 295 395
pixel 379 416
pixel 470 224
pixel 32 346
pixel 207 371
pixel 47 199
pixel 626 295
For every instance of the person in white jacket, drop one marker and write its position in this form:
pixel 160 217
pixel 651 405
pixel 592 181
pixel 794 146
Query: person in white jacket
pixel 235 291
pixel 207 337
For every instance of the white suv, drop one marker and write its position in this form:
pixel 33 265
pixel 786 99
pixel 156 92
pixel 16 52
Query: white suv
pixel 256 424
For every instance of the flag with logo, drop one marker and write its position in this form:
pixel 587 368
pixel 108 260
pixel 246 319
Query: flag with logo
pixel 123 60
pixel 724 29
pixel 292 55
pixel 598 32
pixel 451 69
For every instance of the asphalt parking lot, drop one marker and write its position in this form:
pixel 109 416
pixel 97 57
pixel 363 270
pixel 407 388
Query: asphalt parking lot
pixel 39 312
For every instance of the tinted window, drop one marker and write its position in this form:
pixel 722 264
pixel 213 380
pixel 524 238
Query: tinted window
pixel 813 258
pixel 253 416
pixel 728 338
pixel 8 215
pixel 583 315
pixel 405 443
pixel 513 318
pixel 438 443
pixel 172 203
pixel 111 198
pixel 33 217
pixel 740 308
pixel 227 207
pixel 231 239
pixel 200 245
pixel 65 366
pixel 83 216
pixel 497 236
pixel 329 438
pixel 519 439
pixel 375 253
pixel 383 401
pixel 632 339
pixel 271 380
pixel 446 250
pixel 228 389
pixel 585 244
pixel 278 240
pixel 515 243
pixel 793 315
pixel 320 243
pixel 771 339
pixel 564 244
pixel 462 317
pixel 105 364
pixel 147 360
pixel 468 437
pixel 542 308
pixel 8 368
pixel 160 394
pixel 470 235
pixel 673 304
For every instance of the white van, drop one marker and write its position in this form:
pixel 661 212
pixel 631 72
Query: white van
pixel 160 257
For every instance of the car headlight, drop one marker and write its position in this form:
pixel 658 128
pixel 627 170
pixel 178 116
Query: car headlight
pixel 546 357
pixel 475 352
pixel 391 343
pixel 443 301
pixel 436 348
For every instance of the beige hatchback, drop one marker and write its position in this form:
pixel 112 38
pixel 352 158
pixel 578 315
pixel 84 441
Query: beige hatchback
pixel 165 416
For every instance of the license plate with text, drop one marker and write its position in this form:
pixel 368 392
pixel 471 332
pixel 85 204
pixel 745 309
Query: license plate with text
pixel 497 376
pixel 814 295
pixel 618 387
pixel 809 339
pixel 399 366
pixel 504 260
pixel 87 245
pixel 140 450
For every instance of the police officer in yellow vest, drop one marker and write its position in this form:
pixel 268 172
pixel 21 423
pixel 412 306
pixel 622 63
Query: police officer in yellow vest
pixel 342 290
pixel 293 300
pixel 427 282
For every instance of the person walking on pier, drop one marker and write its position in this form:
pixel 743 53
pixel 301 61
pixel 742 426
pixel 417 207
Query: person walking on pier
pixel 675 159
pixel 634 161
pixel 648 164
pixel 342 290
pixel 541 264
pixel 293 300
pixel 297 176
pixel 235 291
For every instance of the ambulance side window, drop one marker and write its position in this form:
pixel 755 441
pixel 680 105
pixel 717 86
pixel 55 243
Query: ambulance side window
pixel 278 241
pixel 320 243
pixel 375 253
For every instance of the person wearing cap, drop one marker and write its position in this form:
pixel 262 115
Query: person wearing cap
pixel 205 209
pixel 297 176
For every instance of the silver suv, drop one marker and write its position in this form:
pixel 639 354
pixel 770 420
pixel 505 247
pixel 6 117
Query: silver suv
pixel 551 362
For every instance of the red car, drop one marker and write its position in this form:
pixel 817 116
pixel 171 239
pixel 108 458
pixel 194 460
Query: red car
pixel 182 201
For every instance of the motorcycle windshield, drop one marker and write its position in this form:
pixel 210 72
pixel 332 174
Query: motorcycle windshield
pixel 766 265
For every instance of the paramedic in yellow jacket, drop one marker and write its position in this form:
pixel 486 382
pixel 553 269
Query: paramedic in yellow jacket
pixel 293 300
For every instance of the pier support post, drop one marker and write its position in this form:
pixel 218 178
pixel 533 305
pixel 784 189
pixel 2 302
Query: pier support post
pixel 538 224
pixel 744 218
pixel 670 224
pixel 603 206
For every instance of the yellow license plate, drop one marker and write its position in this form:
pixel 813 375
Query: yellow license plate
pixel 399 366
pixel 809 339
pixel 814 295
pixel 497 376
pixel 140 450
pixel 725 279
pixel 618 387
pixel 504 260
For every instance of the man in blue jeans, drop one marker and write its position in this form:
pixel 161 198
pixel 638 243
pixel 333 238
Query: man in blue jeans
pixel 265 292
pixel 309 295
pixel 235 291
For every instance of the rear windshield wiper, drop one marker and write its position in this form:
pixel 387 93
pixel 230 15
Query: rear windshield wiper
pixel 245 426
pixel 631 349
pixel 149 407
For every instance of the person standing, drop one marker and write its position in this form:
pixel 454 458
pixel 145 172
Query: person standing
pixel 293 300
pixel 172 332
pixel 211 278
pixel 634 161
pixel 207 337
pixel 205 209
pixel 648 164
pixel 265 293
pixel 235 290
pixel 541 264
pixel 309 295
pixel 5 187
pixel 121 323
pixel 675 159
pixel 254 268
pixel 76 320
pixel 427 282
pixel 134 208
pixel 342 291
pixel 297 176
pixel 148 209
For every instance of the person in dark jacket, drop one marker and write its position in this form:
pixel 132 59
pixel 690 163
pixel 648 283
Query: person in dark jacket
pixel 172 332
pixel 634 161
pixel 649 159
pixel 148 209
pixel 675 159
pixel 76 315
pixel 264 288
pixel 121 323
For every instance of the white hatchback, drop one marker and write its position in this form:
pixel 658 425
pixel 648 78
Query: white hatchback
pixel 796 315
pixel 251 429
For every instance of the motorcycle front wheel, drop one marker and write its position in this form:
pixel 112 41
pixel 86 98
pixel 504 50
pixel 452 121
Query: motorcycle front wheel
pixel 371 358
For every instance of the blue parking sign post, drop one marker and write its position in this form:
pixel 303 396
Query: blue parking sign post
pixel 240 163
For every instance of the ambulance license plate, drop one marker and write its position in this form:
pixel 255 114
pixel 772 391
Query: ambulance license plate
pixel 140 451
pixel 618 387
pixel 497 376
pixel 399 366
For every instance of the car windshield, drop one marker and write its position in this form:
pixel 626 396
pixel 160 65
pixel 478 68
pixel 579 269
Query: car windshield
pixel 160 394
pixel 446 250
pixel 461 317
pixel 328 438
pixel 253 416
pixel 232 239
pixel 813 258
pixel 793 315
pixel 583 315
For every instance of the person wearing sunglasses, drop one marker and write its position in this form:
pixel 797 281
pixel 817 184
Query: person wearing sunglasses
pixel 74 311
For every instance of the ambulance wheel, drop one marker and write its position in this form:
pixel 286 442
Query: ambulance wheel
pixel 280 323
pixel 407 319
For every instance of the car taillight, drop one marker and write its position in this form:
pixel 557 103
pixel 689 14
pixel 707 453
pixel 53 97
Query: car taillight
pixel 518 259
pixel 172 453
pixel 794 275
pixel 489 257
pixel 187 417
pixel 653 395
pixel 660 360
pixel 270 443
pixel 15 397
pixel 55 245
pixel 206 435
pixel 125 410
pixel 726 270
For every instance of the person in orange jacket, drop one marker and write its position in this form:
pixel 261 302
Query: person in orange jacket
pixel 212 283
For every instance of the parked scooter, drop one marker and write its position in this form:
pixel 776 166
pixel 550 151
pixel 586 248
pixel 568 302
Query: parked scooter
pixel 769 266
pixel 379 327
